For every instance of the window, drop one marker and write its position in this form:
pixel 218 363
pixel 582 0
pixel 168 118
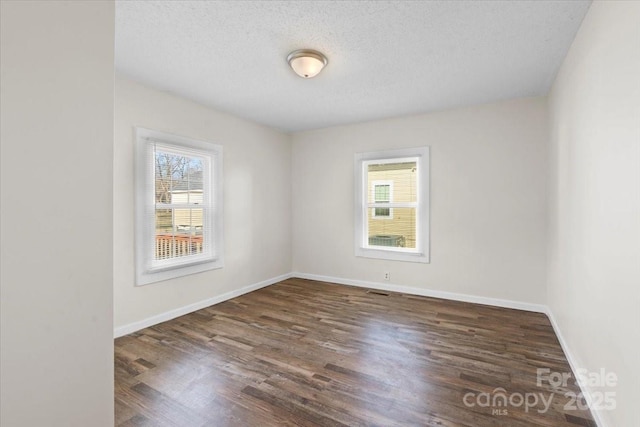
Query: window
pixel 178 206
pixel 392 204
pixel 382 193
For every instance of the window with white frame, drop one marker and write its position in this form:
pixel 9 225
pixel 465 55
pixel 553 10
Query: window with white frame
pixel 382 192
pixel 392 204
pixel 178 206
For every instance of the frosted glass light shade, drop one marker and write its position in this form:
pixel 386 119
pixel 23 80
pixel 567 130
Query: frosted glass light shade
pixel 307 63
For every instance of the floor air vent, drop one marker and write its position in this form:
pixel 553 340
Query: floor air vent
pixel 378 293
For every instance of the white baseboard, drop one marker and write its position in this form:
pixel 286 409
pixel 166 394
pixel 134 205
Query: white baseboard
pixel 575 365
pixel 518 305
pixel 181 311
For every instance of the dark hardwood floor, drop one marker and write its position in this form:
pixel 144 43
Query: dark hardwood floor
pixel 309 353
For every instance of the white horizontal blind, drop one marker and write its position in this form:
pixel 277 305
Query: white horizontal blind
pixel 182 204
pixel 391 209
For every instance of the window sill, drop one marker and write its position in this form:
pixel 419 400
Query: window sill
pixel 390 254
pixel 154 276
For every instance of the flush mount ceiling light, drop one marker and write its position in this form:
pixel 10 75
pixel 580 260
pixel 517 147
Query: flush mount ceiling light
pixel 306 63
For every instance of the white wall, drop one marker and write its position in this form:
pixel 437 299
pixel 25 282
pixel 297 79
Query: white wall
pixel 57 139
pixel 594 244
pixel 488 200
pixel 257 200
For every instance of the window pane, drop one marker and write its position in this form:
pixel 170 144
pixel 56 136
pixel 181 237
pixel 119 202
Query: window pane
pixel 382 193
pixel 164 234
pixel 164 221
pixel 382 212
pixel 400 182
pixel 178 178
pixel 179 233
pixel 194 180
pixel 399 231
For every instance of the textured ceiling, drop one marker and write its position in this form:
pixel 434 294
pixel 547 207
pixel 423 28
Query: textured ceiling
pixel 385 58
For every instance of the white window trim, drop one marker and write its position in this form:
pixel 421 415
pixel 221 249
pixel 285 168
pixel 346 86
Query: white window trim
pixel 147 273
pixel 362 249
pixel 373 197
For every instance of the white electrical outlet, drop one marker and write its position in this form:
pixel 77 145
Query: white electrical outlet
pixel 387 276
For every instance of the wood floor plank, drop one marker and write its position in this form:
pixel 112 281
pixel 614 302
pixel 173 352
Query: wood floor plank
pixel 307 353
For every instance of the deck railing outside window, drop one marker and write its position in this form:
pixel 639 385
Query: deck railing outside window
pixel 172 245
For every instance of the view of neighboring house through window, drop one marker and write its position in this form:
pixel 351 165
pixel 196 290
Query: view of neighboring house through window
pixel 179 211
pixel 392 204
